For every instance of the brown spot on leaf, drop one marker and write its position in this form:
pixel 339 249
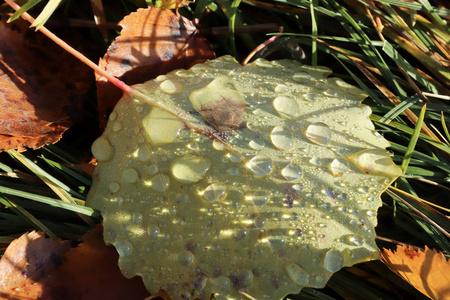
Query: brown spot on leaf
pixel 224 115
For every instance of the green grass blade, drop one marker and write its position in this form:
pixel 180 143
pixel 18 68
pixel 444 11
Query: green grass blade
pixel 24 8
pixel 399 109
pixel 51 201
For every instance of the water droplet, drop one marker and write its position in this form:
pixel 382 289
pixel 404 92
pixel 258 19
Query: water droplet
pixel 297 187
pixel 263 63
pixel 302 77
pixel 123 248
pixel 281 88
pixel 276 241
pixel 260 165
pixel 114 187
pixel 218 146
pixel 363 190
pixel 112 116
pixel 329 192
pixel 153 231
pixel 102 149
pixel 171 87
pixel 160 182
pixel 144 153
pixel 331 93
pixel 233 171
pixel 352 239
pixel 292 172
pixel 241 278
pixel 258 198
pixel 310 96
pixel 315 161
pixel 240 234
pixel 297 274
pixel 371 213
pixel 287 107
pixel 117 127
pixel 333 261
pixel 130 175
pixel 319 133
pixel 338 167
pixel 257 144
pixel 190 168
pixel 234 157
pixel 186 258
pixel 161 127
pixel 184 73
pixel 281 138
pixel 259 222
pixel 215 192
pixel 137 217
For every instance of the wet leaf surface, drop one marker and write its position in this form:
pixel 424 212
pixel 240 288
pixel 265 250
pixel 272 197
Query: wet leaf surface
pixel 274 200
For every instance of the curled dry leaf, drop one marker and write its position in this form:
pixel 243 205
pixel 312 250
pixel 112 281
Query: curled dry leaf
pixel 36 83
pixel 27 259
pixel 428 271
pixel 153 41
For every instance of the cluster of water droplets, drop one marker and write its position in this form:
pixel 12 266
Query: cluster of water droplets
pixel 279 204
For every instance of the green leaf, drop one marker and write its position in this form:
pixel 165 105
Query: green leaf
pixel 261 179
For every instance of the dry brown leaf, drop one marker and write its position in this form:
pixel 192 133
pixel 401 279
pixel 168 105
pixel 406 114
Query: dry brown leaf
pixel 428 271
pixel 27 259
pixel 36 81
pixel 153 41
pixel 90 272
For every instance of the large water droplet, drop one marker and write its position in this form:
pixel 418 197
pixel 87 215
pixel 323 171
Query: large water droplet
pixel 333 260
pixel 276 241
pixel 281 138
pixel 114 187
pixel 153 231
pixel 161 127
pixel 215 192
pixel 160 182
pixel 287 107
pixel 124 248
pixel 292 172
pixel 186 258
pixel 130 175
pixel 171 87
pixel 352 239
pixel 281 88
pixel 117 126
pixel 338 167
pixel 190 168
pixel 258 198
pixel 319 133
pixel 263 63
pixel 257 144
pixel 260 165
pixel 297 274
pixel 102 149
pixel 241 278
pixel 302 77
pixel 218 146
pixel 144 154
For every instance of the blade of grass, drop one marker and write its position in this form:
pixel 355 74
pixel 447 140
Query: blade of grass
pixel 51 201
pixel 399 109
pixel 314 21
pixel 413 140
